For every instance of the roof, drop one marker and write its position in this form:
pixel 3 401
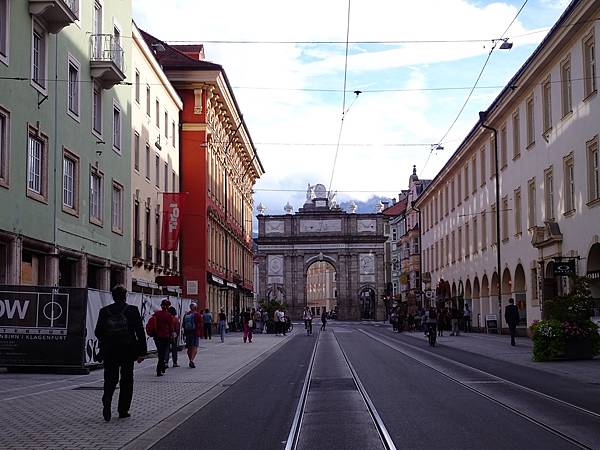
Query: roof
pixel 397 209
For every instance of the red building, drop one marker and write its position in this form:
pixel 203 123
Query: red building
pixel 219 167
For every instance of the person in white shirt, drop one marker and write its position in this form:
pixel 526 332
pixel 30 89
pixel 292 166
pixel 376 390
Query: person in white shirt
pixel 307 317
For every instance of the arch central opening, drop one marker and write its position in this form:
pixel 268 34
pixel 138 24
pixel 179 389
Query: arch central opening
pixel 321 289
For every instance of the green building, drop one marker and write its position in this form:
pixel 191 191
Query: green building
pixel 65 164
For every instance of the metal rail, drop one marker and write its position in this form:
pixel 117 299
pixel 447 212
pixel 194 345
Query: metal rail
pixel 386 341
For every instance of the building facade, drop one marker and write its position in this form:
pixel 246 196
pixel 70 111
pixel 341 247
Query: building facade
pixel 64 152
pixel 548 122
pixel 219 167
pixel 155 162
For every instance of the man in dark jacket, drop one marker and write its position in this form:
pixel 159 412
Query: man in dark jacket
pixel 163 332
pixel 122 341
pixel 511 316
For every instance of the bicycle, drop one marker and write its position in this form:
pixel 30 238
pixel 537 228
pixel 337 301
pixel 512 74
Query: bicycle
pixel 308 326
pixel 289 326
pixel 432 333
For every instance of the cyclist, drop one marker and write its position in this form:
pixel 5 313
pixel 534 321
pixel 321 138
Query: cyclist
pixel 307 317
pixel 431 325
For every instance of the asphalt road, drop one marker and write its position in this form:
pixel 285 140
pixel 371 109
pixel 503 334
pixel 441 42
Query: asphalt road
pixel 254 413
pixel 421 408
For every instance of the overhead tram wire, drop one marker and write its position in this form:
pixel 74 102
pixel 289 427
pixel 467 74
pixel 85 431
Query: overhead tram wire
pixel 502 38
pixel 337 148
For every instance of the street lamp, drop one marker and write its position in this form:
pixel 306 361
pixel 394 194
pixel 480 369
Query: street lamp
pixel 482 119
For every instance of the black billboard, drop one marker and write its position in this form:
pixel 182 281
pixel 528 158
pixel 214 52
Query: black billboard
pixel 42 326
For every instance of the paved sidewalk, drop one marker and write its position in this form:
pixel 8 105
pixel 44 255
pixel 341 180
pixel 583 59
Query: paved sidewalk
pixel 64 411
pixel 498 347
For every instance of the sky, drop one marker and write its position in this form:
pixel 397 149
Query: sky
pixel 291 94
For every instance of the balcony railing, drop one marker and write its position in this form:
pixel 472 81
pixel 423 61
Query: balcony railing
pixel 106 59
pixel 56 14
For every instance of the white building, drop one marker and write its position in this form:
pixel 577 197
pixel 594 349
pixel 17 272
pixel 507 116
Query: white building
pixel 154 161
pixel 548 121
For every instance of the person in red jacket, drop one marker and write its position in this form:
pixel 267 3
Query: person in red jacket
pixel 162 330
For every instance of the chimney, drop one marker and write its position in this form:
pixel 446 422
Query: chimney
pixel 394 201
pixel 194 51
pixel 385 203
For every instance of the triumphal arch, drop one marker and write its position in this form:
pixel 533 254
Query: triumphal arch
pixel 353 243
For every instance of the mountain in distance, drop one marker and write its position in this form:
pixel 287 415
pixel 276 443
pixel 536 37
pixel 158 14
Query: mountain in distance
pixel 370 206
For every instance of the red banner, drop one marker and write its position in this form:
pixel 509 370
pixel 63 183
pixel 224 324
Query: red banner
pixel 171 221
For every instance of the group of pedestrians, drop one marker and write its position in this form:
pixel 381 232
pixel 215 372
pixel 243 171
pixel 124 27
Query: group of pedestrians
pixel 452 319
pixel 307 317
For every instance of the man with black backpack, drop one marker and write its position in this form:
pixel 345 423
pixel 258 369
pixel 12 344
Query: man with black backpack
pixel 122 341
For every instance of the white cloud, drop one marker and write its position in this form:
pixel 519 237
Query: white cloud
pixel 303 116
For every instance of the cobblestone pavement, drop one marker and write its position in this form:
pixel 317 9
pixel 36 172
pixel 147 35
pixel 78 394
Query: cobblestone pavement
pixel 64 411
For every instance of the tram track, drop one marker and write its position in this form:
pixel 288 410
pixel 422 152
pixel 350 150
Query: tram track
pixel 574 424
pixel 332 353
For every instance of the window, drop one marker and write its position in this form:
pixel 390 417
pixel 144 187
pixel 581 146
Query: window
pixel 394 234
pixel 530 122
pixel 96 198
pixel 73 88
pixel 505 218
pixel 447 247
pixel 4 31
pixel 518 213
pixel 589 65
pixel 136 151
pixel 173 133
pixel 39 44
pixel 593 170
pixel 483 229
pixel 157 114
pixel 174 186
pixel 452 194
pixel 459 187
pixel 117 128
pixel 547 104
pixel 460 249
pixel 157 170
pixel 446 199
pixel 466 180
pixel 147 161
pixel 97 108
pixel 117 208
pixel 453 248
pixel 549 194
pixel 482 165
pixel 70 195
pixel 474 174
pixel 493 155
pixel 4 146
pixel 475 236
pixel 467 240
pixel 531 202
pixel 503 149
pixel 166 189
pixel 166 125
pixel 516 135
pixel 148 99
pixel 36 167
pixel 534 287
pixel 569 184
pixel 494 224
pixel 137 87
pixel 566 89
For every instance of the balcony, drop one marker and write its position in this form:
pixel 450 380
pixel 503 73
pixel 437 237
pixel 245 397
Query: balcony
pixel 158 257
pixel 56 14
pixel 106 60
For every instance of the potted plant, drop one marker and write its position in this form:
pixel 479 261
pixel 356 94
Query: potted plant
pixel 567 331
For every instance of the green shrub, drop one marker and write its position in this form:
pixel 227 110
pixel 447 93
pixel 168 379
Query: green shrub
pixel 548 340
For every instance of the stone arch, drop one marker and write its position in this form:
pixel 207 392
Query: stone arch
pixel 468 290
pixel 520 292
pixel 494 284
pixel 476 288
pixel 367 301
pixel 485 286
pixel 320 257
pixel 485 297
pixel 453 295
pixel 549 270
pixel 320 284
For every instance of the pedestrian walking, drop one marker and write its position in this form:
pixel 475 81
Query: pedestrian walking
pixel 248 322
pixel 174 344
pixel 222 324
pixel 207 320
pixel 122 341
pixel 192 332
pixel 394 320
pixel 276 320
pixel 454 320
pixel 284 319
pixel 467 317
pixel 323 320
pixel 265 319
pixel 307 317
pixel 511 316
pixel 161 328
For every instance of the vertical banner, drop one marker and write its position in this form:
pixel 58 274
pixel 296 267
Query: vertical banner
pixel 171 220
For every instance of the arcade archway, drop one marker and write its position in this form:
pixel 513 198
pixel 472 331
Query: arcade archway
pixel 367 303
pixel 321 288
